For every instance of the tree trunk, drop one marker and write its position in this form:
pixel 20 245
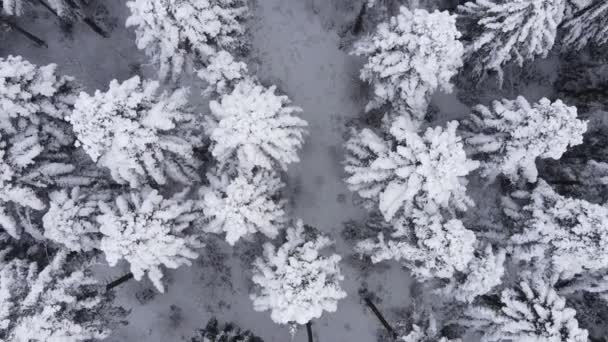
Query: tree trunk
pixel 309 331
pixel 27 34
pixel 358 27
pixel 48 7
pixel 90 22
pixel 380 317
pixel 93 25
pixel 119 281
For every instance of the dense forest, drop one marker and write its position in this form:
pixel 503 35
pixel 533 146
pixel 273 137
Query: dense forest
pixel 292 170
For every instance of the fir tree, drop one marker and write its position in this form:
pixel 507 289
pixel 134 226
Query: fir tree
pixel 58 303
pixel 532 311
pixel 149 231
pixel 183 34
pixel 409 58
pixel 589 26
pixel 139 133
pixel 36 153
pixel 254 127
pixel 295 281
pixel 410 171
pixel 230 332
pixel 243 205
pixel 510 135
pixel 504 31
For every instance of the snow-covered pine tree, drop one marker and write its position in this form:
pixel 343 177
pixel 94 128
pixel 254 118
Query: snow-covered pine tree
pixel 483 273
pixel 532 311
pixel 510 135
pixel 571 233
pixel 138 132
pixel 71 218
pixel 425 330
pixel 36 152
pixel 410 57
pixel 179 34
pixel 428 245
pixel 254 127
pixel 243 205
pixel 58 303
pixel 295 281
pixel 149 232
pixel 412 171
pixel 12 7
pixel 503 31
pixel 230 332
pixel 588 26
pixel 222 73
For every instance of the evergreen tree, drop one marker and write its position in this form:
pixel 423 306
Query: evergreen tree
pixel 589 26
pixel 425 330
pixel 243 205
pixel 36 153
pixel 149 231
pixel 12 7
pixel 510 135
pixel 70 219
pixel 410 171
pixel 428 245
pixel 570 233
pixel 409 58
pixel 483 273
pixel 296 282
pixel 254 127
pixel 213 332
pixel 58 303
pixel 503 31
pixel 139 133
pixel 532 311
pixel 222 73
pixel 179 34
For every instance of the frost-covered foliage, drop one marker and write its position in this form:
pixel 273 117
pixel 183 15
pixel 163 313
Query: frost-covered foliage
pixel 222 73
pixel 429 246
pixel 178 34
pixel 70 219
pixel 503 31
pixel 588 27
pixel 296 282
pixel 572 233
pixel 69 10
pixel 52 304
pixel 482 274
pixel 426 331
pixel 12 7
pixel 409 58
pixel 532 311
pixel 243 205
pixel 149 231
pixel 413 171
pixel 252 126
pixel 213 332
pixel 34 140
pixel 138 132
pixel 511 134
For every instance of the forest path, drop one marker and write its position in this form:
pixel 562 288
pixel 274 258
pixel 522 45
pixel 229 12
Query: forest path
pixel 303 59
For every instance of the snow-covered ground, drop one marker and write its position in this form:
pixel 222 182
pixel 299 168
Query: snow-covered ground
pixel 296 47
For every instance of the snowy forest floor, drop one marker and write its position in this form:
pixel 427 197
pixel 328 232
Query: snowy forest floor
pixel 299 51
